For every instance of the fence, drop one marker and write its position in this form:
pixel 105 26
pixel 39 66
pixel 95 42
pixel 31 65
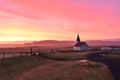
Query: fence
pixel 31 52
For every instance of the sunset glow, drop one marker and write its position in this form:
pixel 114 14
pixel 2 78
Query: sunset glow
pixel 59 19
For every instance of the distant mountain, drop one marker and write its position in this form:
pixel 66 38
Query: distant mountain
pixel 51 43
pixel 56 43
pixel 71 43
pixel 103 43
pixel 13 44
pixel 118 39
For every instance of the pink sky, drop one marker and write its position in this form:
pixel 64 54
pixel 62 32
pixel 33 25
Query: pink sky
pixel 59 19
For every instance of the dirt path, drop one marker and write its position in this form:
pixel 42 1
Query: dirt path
pixel 113 65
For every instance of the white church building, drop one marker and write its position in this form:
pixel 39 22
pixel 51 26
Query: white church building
pixel 80 46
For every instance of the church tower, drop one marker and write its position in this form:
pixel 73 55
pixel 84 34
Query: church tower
pixel 80 46
pixel 78 38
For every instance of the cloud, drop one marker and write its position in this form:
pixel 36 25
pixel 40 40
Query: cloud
pixel 60 17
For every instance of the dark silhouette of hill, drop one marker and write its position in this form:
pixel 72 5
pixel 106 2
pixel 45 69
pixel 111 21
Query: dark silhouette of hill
pixel 71 43
pixel 51 43
pixel 117 39
pixel 56 43
pixel 103 43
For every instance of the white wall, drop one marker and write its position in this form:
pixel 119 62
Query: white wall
pixel 81 48
pixel 76 48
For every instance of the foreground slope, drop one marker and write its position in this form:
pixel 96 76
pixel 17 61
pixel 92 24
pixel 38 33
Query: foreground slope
pixel 68 70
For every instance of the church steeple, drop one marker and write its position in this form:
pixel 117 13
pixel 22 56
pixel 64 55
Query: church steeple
pixel 78 38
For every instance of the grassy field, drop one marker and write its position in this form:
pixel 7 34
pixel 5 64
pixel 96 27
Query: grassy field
pixel 114 55
pixel 10 67
pixel 53 66
pixel 65 56
pixel 69 70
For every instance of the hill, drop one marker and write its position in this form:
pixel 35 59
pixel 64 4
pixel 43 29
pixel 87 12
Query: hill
pixel 56 43
pixel 70 70
pixel 71 43
pixel 51 43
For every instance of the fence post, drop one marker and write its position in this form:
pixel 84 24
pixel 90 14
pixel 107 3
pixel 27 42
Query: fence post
pixel 27 54
pixel 13 54
pixel 31 51
pixel 38 50
pixel 3 54
pixel 20 53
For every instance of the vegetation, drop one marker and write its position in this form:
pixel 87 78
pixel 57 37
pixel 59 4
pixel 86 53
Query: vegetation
pixel 11 67
pixel 53 66
pixel 114 55
pixel 68 70
pixel 65 56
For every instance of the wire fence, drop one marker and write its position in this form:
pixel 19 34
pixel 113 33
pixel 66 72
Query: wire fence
pixel 8 54
pixel 4 55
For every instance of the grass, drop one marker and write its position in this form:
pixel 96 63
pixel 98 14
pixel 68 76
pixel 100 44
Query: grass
pixel 69 70
pixel 65 56
pixel 11 67
pixel 53 66
pixel 114 55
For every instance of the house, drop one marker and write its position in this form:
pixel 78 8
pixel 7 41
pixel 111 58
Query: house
pixel 80 46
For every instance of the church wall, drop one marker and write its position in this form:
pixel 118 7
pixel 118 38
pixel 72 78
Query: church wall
pixel 80 48
pixel 76 48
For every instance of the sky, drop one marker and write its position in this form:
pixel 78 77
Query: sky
pixel 26 20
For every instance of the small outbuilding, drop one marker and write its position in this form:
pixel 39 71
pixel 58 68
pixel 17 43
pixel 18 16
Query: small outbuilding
pixel 110 48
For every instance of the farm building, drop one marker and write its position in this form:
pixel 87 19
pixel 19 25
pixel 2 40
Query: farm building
pixel 80 46
pixel 110 48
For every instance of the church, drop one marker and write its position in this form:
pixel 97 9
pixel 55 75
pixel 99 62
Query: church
pixel 80 46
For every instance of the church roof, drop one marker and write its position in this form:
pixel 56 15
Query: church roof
pixel 79 44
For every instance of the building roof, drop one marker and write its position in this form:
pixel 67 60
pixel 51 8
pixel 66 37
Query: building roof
pixel 79 44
